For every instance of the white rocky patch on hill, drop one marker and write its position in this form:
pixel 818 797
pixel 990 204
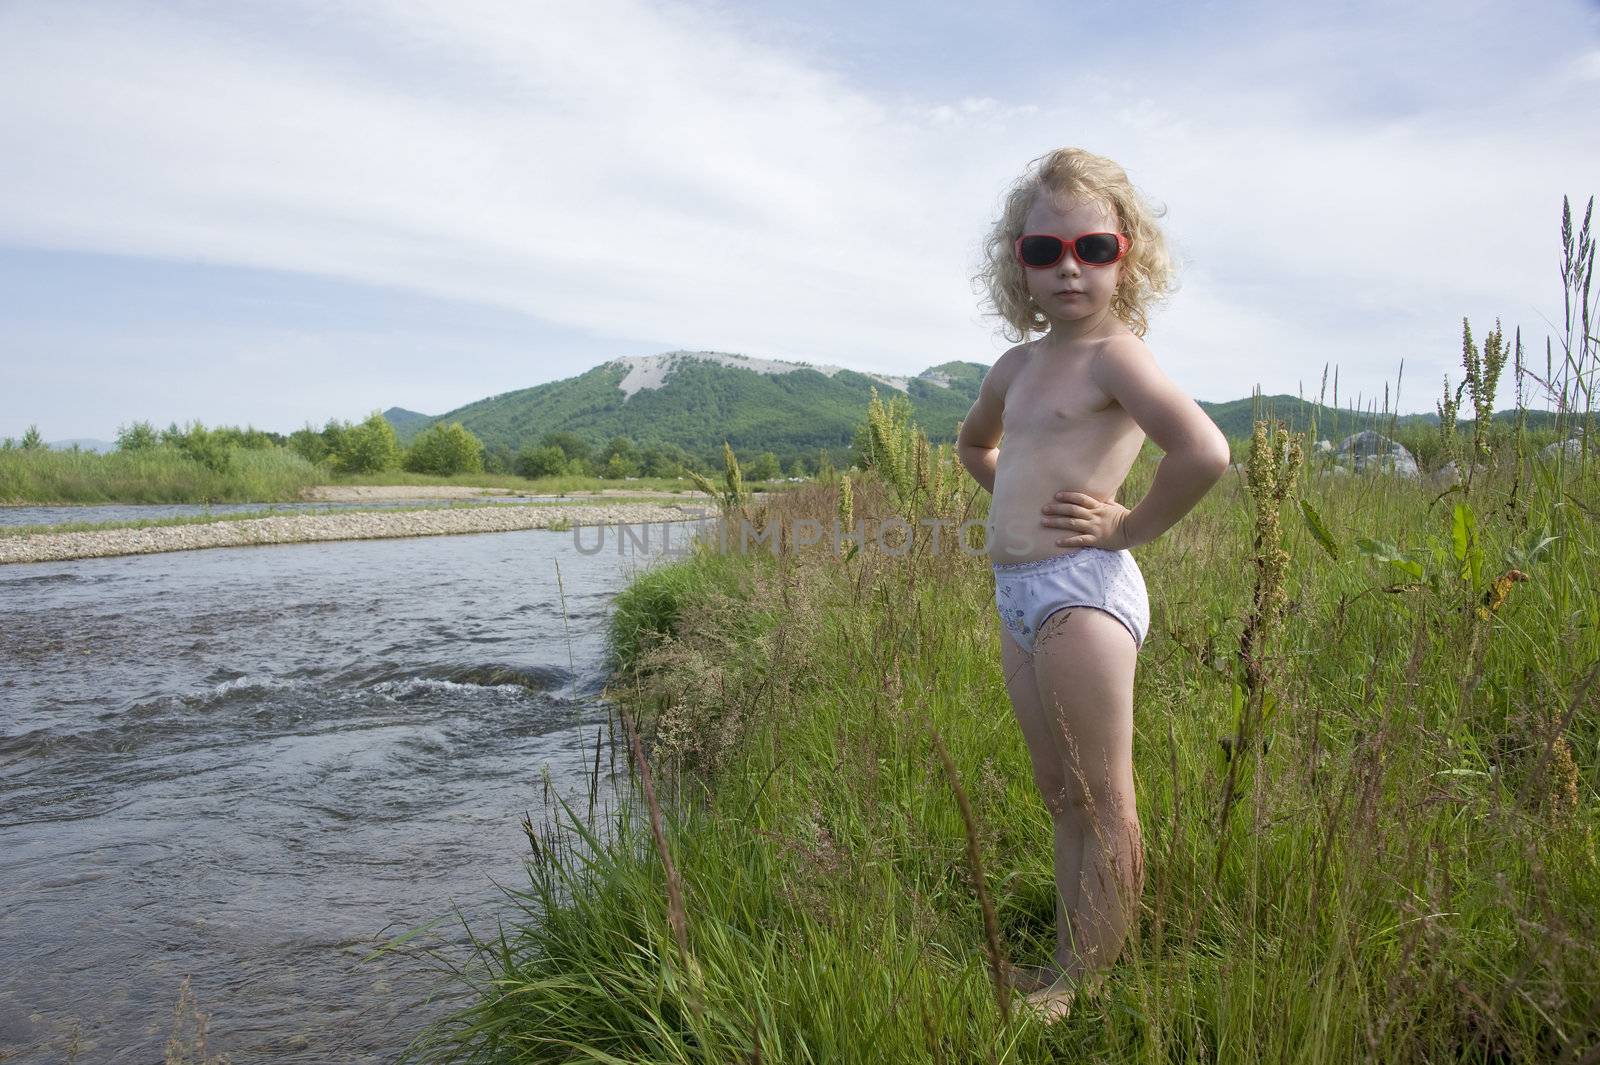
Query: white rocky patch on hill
pixel 652 371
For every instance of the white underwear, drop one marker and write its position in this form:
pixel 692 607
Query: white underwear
pixel 1027 593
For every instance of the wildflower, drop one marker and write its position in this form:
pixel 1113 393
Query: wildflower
pixel 1562 798
pixel 1496 595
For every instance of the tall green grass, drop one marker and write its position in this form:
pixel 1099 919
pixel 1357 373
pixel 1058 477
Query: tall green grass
pixel 1366 754
pixel 155 475
pixel 271 475
pixel 1409 872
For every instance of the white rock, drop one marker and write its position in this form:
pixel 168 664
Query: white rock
pixel 651 371
pixel 1573 446
pixel 1372 451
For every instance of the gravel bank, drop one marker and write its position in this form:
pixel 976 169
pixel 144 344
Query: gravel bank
pixel 309 528
pixel 360 493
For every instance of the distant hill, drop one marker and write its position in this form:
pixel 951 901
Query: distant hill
pixel 1236 418
pixel 84 443
pixel 407 423
pixel 697 399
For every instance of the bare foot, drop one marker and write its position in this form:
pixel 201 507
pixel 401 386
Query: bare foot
pixel 1025 978
pixel 1054 1002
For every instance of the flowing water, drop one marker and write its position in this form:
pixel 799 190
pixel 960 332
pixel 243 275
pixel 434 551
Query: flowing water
pixel 251 765
pixel 28 514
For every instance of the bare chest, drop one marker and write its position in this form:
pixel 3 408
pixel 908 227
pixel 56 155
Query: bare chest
pixel 1051 398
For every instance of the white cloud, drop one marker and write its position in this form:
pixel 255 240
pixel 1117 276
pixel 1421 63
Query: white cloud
pixel 1586 67
pixel 641 171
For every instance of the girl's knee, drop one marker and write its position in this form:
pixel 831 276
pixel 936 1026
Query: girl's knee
pixel 1097 802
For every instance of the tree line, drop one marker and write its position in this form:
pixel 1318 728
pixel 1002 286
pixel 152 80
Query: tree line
pixel 442 449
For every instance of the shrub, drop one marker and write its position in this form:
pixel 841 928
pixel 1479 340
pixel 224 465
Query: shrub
pixel 548 461
pixel 208 447
pixel 764 468
pixel 139 436
pixel 445 450
pixel 309 444
pixel 369 447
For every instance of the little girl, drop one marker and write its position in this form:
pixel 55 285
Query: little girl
pixel 1077 256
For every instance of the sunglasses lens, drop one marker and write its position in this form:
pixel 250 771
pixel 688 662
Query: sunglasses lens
pixel 1042 250
pixel 1097 248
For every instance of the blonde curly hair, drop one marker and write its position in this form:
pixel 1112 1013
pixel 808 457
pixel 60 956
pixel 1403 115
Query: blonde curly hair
pixel 1069 174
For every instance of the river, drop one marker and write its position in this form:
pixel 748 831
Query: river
pixel 251 765
pixel 28 514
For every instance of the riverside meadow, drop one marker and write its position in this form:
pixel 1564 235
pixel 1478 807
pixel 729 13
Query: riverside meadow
pixel 1365 749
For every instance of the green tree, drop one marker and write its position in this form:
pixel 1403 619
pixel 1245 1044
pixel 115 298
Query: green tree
pixel 336 435
pixel 31 440
pixel 368 447
pixel 764 468
pixel 498 459
pixel 250 438
pixel 571 444
pixel 616 468
pixel 444 450
pixel 209 447
pixel 797 468
pixel 136 436
pixel 663 460
pixel 548 461
pixel 309 444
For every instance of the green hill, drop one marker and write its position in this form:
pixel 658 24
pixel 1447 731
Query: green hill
pixel 1236 417
pixel 695 400
pixel 407 423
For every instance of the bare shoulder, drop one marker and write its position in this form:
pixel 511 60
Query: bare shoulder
pixel 997 382
pixel 1126 369
pixel 1119 358
pixel 985 423
pixel 1128 345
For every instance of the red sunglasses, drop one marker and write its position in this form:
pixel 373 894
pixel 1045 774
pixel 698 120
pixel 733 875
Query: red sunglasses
pixel 1041 250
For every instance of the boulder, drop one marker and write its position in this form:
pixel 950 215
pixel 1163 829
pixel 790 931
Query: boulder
pixel 1573 446
pixel 1371 451
pixel 1445 476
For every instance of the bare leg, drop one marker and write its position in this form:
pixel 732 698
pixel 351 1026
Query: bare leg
pixel 1050 776
pixel 1084 663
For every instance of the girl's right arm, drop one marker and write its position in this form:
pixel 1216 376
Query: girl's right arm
pixel 978 442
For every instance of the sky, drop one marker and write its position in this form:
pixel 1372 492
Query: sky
pixel 277 212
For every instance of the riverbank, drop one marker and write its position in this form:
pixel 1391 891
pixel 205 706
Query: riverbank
pixel 359 493
pixel 1374 836
pixel 312 528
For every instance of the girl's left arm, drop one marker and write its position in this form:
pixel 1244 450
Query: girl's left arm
pixel 1194 451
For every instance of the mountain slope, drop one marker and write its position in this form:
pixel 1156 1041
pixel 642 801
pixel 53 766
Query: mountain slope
pixel 696 400
pixel 407 423
pixel 1236 417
